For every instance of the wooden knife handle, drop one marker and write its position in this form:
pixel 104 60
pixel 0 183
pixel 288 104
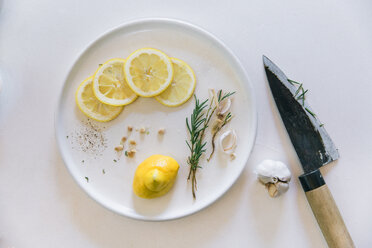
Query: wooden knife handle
pixel 325 211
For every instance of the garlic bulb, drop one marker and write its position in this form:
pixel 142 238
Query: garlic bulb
pixel 275 175
pixel 228 141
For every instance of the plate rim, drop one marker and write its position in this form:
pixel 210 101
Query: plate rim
pixel 209 36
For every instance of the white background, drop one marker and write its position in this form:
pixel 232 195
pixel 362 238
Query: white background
pixel 327 45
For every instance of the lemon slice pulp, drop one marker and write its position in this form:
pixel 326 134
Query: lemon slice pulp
pixel 182 86
pixel 91 107
pixel 148 72
pixel 109 84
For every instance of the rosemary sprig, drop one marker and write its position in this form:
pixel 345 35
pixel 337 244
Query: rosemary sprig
pixel 301 97
pixel 196 127
pixel 228 94
pixel 221 120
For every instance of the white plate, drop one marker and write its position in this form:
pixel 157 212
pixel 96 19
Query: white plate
pixel 214 65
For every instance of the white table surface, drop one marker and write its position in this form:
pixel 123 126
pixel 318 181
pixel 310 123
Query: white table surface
pixel 327 45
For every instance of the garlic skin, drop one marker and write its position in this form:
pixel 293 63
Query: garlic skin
pixel 275 175
pixel 213 96
pixel 227 141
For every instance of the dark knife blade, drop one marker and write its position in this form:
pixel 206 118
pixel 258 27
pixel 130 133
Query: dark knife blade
pixel 311 141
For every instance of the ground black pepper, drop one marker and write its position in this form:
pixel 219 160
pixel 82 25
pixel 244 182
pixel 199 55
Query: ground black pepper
pixel 89 138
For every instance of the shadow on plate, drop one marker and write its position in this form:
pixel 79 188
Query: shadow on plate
pixel 152 207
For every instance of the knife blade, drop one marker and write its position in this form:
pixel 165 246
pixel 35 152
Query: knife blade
pixel 311 141
pixel 314 149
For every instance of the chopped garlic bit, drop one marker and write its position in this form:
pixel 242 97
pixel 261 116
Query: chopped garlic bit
pixel 161 131
pixel 131 153
pixel 142 130
pixel 132 142
pixel 130 128
pixel 275 175
pixel 228 141
pixel 119 148
pixel 123 139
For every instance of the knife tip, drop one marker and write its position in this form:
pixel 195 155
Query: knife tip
pixel 265 59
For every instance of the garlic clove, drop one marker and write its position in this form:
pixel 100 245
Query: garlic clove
pixel 224 106
pixel 266 179
pixel 271 188
pixel 282 187
pixel 227 141
pixel 277 189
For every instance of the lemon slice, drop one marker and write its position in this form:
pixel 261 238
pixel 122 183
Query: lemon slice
pixel 182 86
pixel 148 72
pixel 91 107
pixel 109 84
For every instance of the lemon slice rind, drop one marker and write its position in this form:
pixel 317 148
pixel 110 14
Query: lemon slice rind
pixel 102 97
pixel 187 69
pixel 105 113
pixel 129 76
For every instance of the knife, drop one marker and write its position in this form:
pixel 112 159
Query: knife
pixel 314 149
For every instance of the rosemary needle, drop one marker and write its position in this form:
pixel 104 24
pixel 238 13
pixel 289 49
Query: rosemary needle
pixel 298 90
pixel 302 97
pixel 293 82
pixel 310 112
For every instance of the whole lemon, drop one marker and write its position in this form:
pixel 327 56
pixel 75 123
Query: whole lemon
pixel 155 176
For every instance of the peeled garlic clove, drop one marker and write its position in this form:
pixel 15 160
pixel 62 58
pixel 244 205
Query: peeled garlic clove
pixel 228 141
pixel 224 106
